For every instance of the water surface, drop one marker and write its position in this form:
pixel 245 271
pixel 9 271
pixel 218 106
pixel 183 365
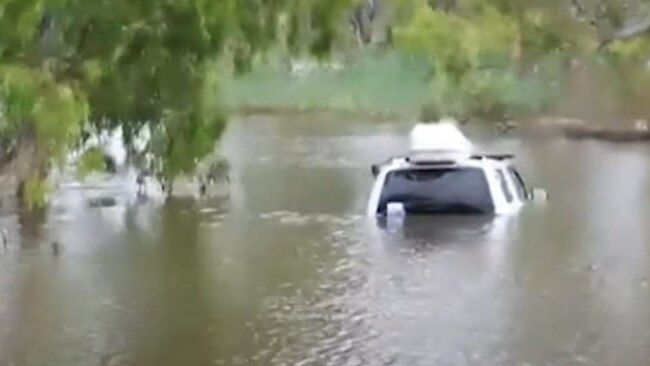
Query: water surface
pixel 287 271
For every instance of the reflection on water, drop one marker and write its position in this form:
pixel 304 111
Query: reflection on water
pixel 287 271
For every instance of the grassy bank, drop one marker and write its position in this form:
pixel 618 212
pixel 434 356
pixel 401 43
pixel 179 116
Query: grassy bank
pixel 393 85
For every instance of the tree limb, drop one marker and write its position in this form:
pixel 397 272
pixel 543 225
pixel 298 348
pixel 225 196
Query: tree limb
pixel 631 31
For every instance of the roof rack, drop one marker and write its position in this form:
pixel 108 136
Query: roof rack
pixel 444 161
pixel 436 156
pixel 418 160
pixel 499 157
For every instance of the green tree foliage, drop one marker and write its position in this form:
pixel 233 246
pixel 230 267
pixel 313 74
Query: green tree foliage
pixel 485 53
pixel 69 66
pixel 92 160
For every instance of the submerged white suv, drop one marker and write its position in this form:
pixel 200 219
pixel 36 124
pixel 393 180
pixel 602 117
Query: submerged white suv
pixel 443 174
pixel 437 182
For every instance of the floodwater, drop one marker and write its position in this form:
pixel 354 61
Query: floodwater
pixel 288 271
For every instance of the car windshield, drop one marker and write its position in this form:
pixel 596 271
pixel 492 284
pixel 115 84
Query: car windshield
pixel 438 191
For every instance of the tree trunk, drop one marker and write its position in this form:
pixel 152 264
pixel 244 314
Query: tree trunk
pixel 19 164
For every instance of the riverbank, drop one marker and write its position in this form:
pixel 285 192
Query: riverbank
pixel 544 127
pixel 390 84
pixel 395 87
pixel 321 112
pixel 623 131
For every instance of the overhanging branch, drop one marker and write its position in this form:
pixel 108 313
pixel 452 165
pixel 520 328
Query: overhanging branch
pixel 632 31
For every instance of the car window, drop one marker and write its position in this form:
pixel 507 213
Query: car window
pixel 520 187
pixel 504 186
pixel 440 190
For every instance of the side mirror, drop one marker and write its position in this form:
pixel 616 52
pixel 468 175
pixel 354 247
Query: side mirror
pixel 375 170
pixel 539 196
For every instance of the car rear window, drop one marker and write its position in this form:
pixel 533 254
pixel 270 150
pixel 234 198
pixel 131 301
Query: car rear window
pixel 438 191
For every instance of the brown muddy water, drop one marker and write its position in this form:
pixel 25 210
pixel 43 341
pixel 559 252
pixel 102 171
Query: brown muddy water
pixel 287 271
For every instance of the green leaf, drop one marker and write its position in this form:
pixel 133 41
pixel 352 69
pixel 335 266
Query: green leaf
pixel 92 160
